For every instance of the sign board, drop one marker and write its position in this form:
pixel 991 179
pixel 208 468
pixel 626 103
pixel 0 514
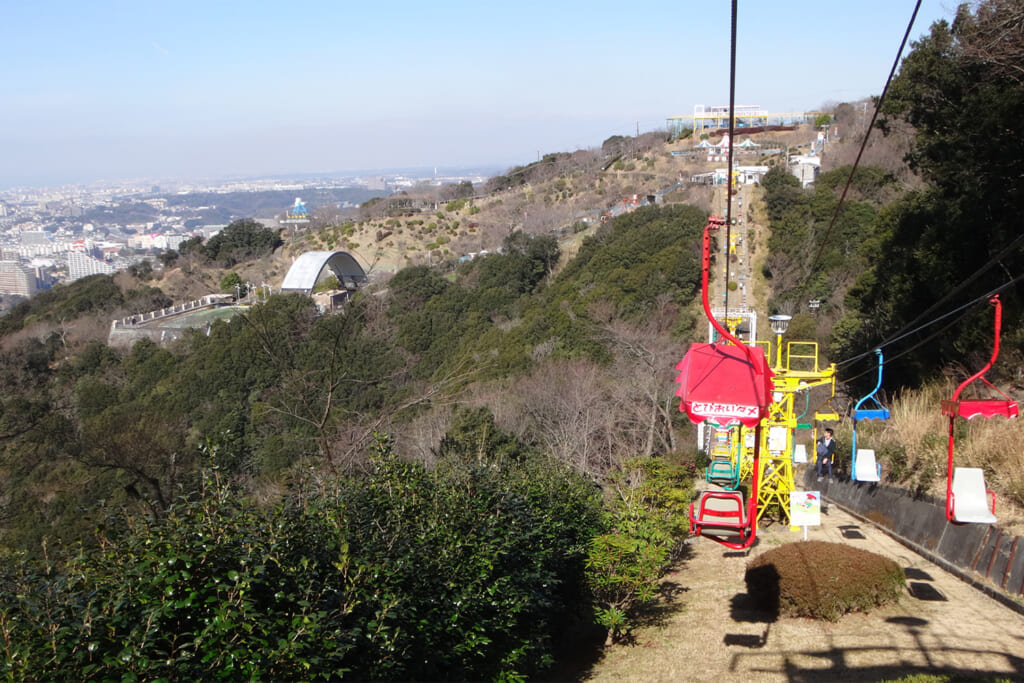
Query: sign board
pixel 777 438
pixel 805 508
pixel 799 453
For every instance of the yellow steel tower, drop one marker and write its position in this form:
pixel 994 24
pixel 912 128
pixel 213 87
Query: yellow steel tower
pixel 800 373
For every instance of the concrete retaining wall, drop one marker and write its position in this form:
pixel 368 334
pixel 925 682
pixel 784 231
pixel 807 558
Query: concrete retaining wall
pixel 125 337
pixel 984 554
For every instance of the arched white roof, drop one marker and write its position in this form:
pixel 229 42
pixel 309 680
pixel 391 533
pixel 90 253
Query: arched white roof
pixel 304 273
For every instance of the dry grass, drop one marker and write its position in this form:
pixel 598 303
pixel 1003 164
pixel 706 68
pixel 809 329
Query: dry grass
pixel 912 447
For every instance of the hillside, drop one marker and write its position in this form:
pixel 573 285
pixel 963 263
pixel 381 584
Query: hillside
pixel 479 463
pixel 560 195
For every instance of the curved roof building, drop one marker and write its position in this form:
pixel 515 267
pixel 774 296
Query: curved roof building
pixel 306 270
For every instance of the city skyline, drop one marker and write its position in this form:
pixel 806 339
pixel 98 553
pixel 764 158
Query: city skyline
pixel 115 90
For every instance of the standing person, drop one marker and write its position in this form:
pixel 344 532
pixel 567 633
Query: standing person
pixel 826 451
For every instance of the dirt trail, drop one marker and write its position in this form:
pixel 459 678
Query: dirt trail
pixel 708 632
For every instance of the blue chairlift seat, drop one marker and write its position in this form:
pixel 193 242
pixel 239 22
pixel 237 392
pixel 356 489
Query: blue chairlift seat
pixel 868 471
pixel 872 414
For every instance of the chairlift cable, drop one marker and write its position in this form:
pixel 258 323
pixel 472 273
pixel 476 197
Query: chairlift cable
pixel 728 179
pixel 995 260
pixel 860 153
pixel 888 342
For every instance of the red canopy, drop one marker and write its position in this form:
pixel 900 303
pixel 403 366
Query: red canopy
pixel 724 384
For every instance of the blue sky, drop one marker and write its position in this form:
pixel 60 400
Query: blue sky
pixel 162 90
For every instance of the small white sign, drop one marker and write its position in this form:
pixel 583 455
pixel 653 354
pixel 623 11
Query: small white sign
pixel 777 437
pixel 805 508
pixel 800 453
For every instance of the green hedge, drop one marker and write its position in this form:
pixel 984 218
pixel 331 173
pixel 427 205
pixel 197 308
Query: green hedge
pixel 466 572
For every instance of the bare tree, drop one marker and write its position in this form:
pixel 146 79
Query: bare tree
pixel 325 215
pixel 995 36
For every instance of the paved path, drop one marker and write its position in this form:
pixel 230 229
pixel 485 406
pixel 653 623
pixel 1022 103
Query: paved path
pixel 707 632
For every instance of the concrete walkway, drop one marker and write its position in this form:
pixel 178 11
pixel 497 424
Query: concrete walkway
pixel 707 631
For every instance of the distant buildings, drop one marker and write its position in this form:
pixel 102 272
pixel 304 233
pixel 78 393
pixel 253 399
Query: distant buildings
pixel 716 117
pixel 16 278
pixel 82 265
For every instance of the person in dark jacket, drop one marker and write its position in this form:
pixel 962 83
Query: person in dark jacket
pixel 826 451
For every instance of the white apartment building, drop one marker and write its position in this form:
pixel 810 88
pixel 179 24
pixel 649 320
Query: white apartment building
pixel 16 278
pixel 82 265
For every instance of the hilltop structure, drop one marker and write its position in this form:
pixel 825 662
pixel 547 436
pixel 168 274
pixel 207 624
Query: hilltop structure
pixel 297 216
pixel 716 117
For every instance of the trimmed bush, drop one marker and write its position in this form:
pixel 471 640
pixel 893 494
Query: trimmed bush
pixel 822 580
pixel 471 571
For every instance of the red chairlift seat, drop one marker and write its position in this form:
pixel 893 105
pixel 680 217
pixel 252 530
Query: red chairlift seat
pixel 967 497
pixel 986 408
pixel 722 516
pixel 726 384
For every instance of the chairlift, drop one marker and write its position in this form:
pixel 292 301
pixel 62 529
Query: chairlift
pixel 727 383
pixel 825 412
pixel 724 468
pixel 868 469
pixel 967 498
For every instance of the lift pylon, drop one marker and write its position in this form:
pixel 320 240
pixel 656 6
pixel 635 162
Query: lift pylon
pixel 799 371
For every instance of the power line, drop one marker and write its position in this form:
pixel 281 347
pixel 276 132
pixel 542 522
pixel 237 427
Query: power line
pixel 968 280
pixel 863 145
pixel 728 180
pixel 904 335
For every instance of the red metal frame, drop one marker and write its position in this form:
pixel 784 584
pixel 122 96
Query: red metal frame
pixel 987 408
pixel 729 382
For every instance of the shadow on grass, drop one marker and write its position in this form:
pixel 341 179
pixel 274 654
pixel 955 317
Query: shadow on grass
pixel 917 574
pixel 836 661
pixel 745 610
pixel 580 651
pixel 925 591
pixel 851 531
pixel 895 672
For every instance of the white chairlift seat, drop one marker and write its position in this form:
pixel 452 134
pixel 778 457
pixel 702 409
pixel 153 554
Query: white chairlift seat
pixel 866 468
pixel 970 497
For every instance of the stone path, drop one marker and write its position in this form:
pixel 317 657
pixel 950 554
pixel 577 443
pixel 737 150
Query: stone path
pixel 706 631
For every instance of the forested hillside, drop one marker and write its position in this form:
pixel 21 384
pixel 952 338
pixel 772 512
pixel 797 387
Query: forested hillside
pixel 273 411
pixel 959 237
pixel 471 460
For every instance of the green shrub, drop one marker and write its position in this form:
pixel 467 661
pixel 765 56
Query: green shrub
pixel 648 524
pixel 822 580
pixel 467 572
